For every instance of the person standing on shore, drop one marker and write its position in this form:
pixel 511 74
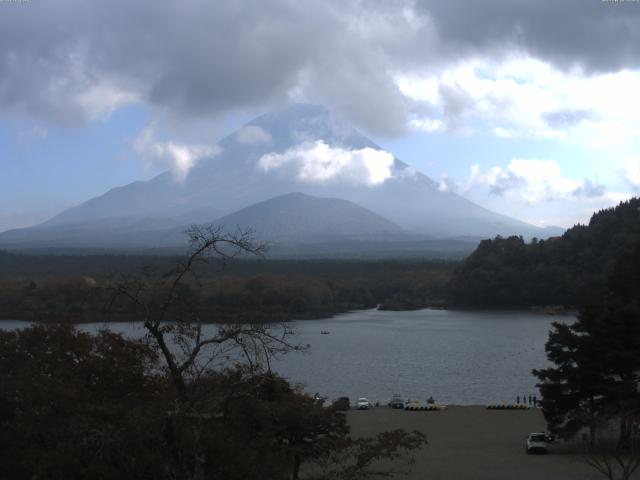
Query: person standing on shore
pixel 517 399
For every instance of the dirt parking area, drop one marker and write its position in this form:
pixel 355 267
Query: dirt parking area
pixel 475 443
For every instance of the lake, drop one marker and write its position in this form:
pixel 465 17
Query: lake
pixel 458 357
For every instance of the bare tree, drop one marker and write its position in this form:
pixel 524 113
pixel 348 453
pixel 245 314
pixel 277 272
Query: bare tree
pixel 614 459
pixel 363 458
pixel 198 357
pixel 166 305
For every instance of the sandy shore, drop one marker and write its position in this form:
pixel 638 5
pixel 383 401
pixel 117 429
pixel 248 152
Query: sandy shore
pixel 475 443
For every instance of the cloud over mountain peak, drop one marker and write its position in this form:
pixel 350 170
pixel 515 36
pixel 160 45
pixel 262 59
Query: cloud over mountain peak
pixel 318 162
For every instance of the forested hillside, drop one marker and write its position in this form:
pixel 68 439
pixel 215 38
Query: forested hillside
pixel 572 270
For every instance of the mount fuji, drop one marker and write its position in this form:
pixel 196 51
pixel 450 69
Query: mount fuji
pixel 302 149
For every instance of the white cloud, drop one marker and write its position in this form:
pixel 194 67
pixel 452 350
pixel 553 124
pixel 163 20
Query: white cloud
pixel 528 98
pixel 445 184
pixel 317 162
pixel 536 191
pixel 631 171
pixel 425 89
pixel 252 135
pixel 427 124
pixel 102 99
pixel 533 181
pixel 177 157
pixel 502 132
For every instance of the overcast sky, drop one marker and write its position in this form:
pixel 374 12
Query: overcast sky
pixel 530 108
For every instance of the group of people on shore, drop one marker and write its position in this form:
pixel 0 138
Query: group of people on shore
pixel 532 400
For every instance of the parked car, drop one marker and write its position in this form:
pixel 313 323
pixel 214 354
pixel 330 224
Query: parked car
pixel 363 404
pixel 396 402
pixel 537 442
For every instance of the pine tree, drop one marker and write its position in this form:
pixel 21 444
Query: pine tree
pixel 596 372
pixel 572 390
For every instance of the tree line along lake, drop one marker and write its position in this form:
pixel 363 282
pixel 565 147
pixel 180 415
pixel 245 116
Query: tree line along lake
pixel 463 357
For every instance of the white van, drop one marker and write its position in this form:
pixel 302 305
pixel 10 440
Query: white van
pixel 537 442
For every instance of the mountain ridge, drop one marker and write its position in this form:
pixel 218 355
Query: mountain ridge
pixel 303 217
pixel 233 180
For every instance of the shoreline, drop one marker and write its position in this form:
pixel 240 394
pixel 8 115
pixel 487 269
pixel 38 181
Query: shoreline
pixel 286 317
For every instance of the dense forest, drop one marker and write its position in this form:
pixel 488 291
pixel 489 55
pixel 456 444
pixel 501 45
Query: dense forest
pixel 80 288
pixel 571 270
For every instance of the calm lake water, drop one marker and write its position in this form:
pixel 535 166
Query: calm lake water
pixel 458 357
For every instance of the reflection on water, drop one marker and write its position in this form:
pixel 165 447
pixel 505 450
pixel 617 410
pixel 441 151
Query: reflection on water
pixel 461 357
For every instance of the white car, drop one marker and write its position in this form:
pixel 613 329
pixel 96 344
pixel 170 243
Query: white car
pixel 363 404
pixel 537 442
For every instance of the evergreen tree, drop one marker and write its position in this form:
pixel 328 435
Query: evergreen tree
pixel 571 390
pixel 596 372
